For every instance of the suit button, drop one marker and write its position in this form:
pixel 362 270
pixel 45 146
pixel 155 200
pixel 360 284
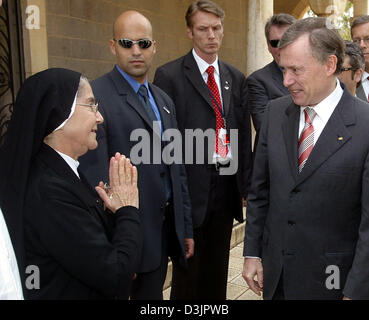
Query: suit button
pixel 97 201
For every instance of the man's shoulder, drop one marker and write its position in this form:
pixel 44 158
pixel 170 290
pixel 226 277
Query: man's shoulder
pixel 172 65
pixel 264 72
pixel 231 69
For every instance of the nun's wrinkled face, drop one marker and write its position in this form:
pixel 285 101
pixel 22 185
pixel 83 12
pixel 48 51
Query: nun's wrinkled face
pixel 80 130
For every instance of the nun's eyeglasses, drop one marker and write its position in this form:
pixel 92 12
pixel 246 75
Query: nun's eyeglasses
pixel 128 43
pixel 94 107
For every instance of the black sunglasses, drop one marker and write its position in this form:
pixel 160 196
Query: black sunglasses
pixel 348 69
pixel 128 43
pixel 274 43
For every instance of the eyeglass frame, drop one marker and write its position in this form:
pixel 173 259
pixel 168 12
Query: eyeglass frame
pixel 94 107
pixel 358 40
pixel 120 41
pixel 274 43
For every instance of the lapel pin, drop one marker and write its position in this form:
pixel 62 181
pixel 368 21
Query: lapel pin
pixel 165 108
pixel 226 85
pixel 340 138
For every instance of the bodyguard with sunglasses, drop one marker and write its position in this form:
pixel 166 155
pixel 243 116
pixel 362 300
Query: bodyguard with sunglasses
pixel 128 102
pixel 266 83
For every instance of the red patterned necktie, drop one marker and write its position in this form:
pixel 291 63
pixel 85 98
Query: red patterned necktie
pixel 306 142
pixel 220 148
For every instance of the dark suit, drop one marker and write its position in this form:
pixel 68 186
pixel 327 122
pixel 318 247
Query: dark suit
pixel 123 113
pixel 81 252
pixel 360 93
pixel 302 223
pixel 264 85
pixel 215 199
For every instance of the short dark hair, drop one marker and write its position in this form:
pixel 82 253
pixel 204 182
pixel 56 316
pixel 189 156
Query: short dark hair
pixel 205 6
pixel 279 20
pixel 357 59
pixel 358 21
pixel 323 41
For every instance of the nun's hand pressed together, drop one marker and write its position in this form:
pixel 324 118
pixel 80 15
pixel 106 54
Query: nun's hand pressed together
pixel 123 189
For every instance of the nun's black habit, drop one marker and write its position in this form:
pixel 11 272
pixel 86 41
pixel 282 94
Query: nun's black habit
pixel 80 251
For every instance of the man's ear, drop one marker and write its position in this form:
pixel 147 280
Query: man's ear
pixel 112 46
pixel 189 33
pixel 331 64
pixel 358 75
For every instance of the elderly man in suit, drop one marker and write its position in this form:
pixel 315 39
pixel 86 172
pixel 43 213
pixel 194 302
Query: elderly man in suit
pixel 266 83
pixel 128 102
pixel 360 35
pixel 209 94
pixel 307 220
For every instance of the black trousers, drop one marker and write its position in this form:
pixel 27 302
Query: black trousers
pixel 206 276
pixel 149 285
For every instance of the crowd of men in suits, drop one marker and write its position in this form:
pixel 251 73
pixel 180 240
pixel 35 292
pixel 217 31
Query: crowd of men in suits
pixel 306 186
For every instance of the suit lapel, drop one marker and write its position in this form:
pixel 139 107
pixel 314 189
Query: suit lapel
pixel 128 94
pixel 333 137
pixel 290 129
pixel 192 73
pixel 225 87
pixel 164 110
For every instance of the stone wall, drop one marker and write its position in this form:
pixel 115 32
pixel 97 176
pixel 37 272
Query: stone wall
pixel 78 32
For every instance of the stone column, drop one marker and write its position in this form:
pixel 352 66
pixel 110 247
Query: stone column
pixel 257 51
pixel 361 7
pixel 324 8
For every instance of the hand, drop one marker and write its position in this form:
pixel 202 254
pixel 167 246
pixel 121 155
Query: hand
pixel 244 202
pixel 346 298
pixel 123 184
pixel 252 267
pixel 190 246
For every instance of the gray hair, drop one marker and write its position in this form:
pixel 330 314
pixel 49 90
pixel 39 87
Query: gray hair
pixel 358 21
pixel 279 20
pixel 323 41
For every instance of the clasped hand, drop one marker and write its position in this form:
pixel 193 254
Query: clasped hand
pixel 123 189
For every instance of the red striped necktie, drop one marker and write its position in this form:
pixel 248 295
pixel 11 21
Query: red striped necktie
pixel 220 148
pixel 306 141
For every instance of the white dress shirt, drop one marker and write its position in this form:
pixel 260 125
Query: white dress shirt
pixel 324 110
pixel 10 283
pixel 203 66
pixel 73 164
pixel 365 83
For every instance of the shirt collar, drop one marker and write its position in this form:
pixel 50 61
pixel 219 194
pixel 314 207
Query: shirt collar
pixel 325 108
pixel 132 82
pixel 73 164
pixel 203 65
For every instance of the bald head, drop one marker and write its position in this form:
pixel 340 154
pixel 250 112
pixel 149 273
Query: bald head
pixel 136 57
pixel 130 20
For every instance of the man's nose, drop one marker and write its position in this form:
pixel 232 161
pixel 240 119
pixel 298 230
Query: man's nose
pixel 287 79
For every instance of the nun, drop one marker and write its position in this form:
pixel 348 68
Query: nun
pixel 73 247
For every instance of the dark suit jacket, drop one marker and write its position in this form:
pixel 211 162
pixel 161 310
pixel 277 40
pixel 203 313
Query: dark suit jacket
pixel 264 85
pixel 360 93
pixel 303 223
pixel 123 113
pixel 182 81
pixel 80 251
